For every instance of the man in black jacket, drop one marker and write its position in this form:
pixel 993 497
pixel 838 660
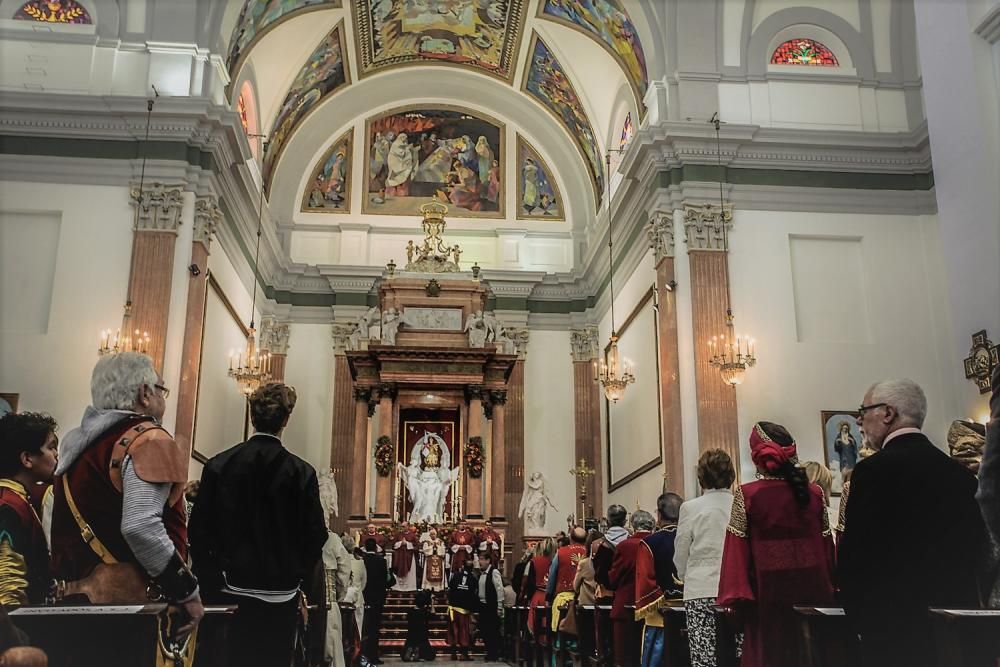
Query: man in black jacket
pixel 257 531
pixel 889 572
pixel 377 572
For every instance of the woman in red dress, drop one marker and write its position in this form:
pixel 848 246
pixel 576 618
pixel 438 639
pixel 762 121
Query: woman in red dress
pixel 778 550
pixel 536 578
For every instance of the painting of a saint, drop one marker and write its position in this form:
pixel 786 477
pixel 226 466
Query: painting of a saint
pixel 547 82
pixel 329 187
pixel 481 34
pixel 257 17
pixel 842 445
pixel 607 22
pixel 417 154
pixel 323 73
pixel 537 193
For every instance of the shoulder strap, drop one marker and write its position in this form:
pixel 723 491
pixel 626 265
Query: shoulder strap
pixel 85 530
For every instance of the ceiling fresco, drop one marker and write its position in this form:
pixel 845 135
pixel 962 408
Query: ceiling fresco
pixel 606 22
pixel 259 16
pixel 324 73
pixel 329 186
pixel 538 195
pixel 547 82
pixel 480 34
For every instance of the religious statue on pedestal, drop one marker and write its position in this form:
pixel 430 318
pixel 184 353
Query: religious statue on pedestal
pixel 475 326
pixel 535 502
pixel 428 478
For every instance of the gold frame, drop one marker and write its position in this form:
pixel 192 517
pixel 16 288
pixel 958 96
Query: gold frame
pixel 519 188
pixel 453 211
pixel 535 38
pixel 12 399
pixel 636 93
pixel 514 46
pixel 347 137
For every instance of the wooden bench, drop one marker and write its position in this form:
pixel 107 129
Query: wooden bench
pixel 677 652
pixel 826 639
pixel 726 632
pixel 966 637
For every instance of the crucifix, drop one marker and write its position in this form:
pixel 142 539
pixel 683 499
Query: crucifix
pixel 581 472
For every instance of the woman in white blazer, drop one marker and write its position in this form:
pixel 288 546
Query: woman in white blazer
pixel 701 533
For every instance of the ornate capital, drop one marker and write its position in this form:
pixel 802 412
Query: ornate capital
pixel 584 343
pixel 274 336
pixel 520 337
pixel 473 392
pixel 207 217
pixel 362 394
pixel 159 207
pixel 498 396
pixel 661 234
pixel 704 226
pixel 340 334
pixel 387 390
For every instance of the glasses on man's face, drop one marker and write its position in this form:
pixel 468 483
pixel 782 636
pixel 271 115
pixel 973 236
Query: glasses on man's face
pixel 163 390
pixel 862 409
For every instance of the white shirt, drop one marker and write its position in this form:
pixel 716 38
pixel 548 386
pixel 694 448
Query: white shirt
pixel 899 432
pixel 701 533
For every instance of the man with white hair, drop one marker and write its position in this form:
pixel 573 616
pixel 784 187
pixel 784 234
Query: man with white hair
pixel 118 517
pixel 888 570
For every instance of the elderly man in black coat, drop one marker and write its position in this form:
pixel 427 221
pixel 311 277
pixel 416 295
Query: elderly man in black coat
pixel 889 571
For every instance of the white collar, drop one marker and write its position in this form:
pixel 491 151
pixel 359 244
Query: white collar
pixel 898 432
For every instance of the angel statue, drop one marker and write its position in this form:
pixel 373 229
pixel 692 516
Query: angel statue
pixel 328 494
pixel 361 333
pixel 534 503
pixel 428 477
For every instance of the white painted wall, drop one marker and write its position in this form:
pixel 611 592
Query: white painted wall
pixel 309 368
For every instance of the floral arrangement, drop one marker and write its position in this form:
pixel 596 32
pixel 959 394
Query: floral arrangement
pixel 383 456
pixel 474 457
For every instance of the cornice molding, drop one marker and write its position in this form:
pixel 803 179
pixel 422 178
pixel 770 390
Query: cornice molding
pixel 989 27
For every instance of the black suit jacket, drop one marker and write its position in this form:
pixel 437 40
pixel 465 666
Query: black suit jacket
pixel 378 575
pixel 913 538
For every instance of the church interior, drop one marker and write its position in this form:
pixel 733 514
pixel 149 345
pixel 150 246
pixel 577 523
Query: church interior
pixel 521 260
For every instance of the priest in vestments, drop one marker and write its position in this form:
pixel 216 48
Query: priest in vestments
pixel 490 543
pixel 372 533
pixel 778 551
pixel 462 544
pixel 403 552
pixel 656 579
pixel 433 550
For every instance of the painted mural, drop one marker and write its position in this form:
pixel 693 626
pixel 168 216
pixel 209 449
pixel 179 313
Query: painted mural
pixel 547 82
pixel 481 34
pixel 607 22
pixel 444 153
pixel 329 186
pixel 538 195
pixel 259 16
pixel 323 73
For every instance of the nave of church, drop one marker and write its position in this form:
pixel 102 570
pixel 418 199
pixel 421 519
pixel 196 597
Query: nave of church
pixel 334 332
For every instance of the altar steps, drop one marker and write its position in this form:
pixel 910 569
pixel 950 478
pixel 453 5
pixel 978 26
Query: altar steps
pixel 393 635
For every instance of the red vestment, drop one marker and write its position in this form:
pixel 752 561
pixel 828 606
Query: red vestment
pixel 462 544
pixel 380 540
pixel 403 551
pixel 777 554
pixel 569 556
pixel 627 635
pixel 490 543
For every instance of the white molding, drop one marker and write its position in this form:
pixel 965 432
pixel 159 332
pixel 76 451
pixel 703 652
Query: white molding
pixel 989 27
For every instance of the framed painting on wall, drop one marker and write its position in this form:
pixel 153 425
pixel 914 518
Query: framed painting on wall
pixel 8 403
pixel 841 445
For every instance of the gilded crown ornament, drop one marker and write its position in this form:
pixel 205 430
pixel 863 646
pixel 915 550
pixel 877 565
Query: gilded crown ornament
pixel 432 255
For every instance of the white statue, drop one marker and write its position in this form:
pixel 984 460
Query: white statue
pixel 361 332
pixel 428 478
pixel 328 493
pixel 475 326
pixel 534 503
pixel 494 329
pixel 390 326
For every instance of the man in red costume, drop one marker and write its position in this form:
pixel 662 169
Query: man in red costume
pixel 404 549
pixel 656 578
pixel 562 573
pixel 627 639
pixel 118 516
pixel 462 544
pixel 490 543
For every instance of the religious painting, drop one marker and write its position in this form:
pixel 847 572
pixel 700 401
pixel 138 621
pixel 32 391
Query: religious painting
pixel 258 17
pixel 607 23
pixel 417 154
pixel 842 445
pixel 324 73
pixel 8 403
pixel 54 11
pixel 547 82
pixel 538 195
pixel 429 452
pixel 329 186
pixel 481 34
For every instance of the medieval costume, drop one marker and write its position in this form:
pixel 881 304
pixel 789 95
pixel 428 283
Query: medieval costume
pixel 404 551
pixel 534 584
pixel 462 602
pixel 418 643
pixel 778 553
pixel 462 544
pixel 656 582
pixel 24 554
pixel 627 643
pixel 433 551
pixel 491 544
pixel 562 573
pixel 491 595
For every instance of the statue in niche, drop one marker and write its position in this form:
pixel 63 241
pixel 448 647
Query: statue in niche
pixel 475 326
pixel 390 326
pixel 428 478
pixel 535 501
pixel 361 332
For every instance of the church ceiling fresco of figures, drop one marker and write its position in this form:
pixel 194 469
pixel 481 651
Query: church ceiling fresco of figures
pixel 480 34
pixel 259 16
pixel 324 73
pixel 538 195
pixel 329 186
pixel 607 22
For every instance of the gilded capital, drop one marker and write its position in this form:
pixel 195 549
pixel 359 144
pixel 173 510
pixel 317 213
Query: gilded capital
pixel 661 234
pixel 159 207
pixel 584 343
pixel 207 217
pixel 705 226
pixel 274 336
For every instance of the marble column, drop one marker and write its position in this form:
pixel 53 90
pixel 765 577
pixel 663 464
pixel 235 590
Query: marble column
pixel 708 260
pixel 342 438
pixel 498 495
pixel 585 349
pixel 274 338
pixel 206 218
pixel 474 485
pixel 661 240
pixel 359 455
pixel 514 449
pixel 158 218
pixel 386 393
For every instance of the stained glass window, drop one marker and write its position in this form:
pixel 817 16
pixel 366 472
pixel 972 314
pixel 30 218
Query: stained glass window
pixel 627 131
pixel 241 109
pixel 53 11
pixel 803 52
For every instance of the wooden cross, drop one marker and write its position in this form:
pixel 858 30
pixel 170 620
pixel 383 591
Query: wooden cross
pixel 581 472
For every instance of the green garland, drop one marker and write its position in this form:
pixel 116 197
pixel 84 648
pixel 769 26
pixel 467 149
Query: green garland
pixel 383 456
pixel 474 457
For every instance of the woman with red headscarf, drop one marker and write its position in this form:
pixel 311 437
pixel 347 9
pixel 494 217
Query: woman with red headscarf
pixel 778 550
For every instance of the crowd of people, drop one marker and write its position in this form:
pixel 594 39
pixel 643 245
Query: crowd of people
pixel 113 528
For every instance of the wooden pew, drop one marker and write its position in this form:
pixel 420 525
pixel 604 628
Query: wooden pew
pixel 676 652
pixel 726 631
pixel 826 639
pixel 966 637
pixel 604 636
pixel 586 639
pixel 121 635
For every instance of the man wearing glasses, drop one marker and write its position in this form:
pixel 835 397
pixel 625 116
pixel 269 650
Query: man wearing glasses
pixel 118 519
pixel 899 555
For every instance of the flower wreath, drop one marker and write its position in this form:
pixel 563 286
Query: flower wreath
pixel 383 456
pixel 474 457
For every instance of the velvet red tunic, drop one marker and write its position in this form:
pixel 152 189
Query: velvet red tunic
pixel 777 554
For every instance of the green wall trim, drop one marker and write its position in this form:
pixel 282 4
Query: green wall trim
pixel 707 173
pixel 106 149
